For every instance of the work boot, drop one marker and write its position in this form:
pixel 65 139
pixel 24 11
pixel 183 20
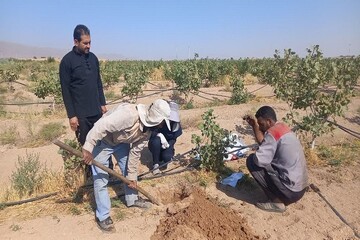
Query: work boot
pixel 141 203
pixel 106 225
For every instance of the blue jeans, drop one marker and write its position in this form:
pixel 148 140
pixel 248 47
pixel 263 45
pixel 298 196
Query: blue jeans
pixel 102 151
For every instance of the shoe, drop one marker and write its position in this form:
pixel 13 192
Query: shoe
pixel 272 207
pixel 156 169
pixel 141 203
pixel 106 225
pixel 163 168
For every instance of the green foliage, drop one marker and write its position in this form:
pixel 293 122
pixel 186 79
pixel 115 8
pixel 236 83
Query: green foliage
pixel 110 73
pixel 305 84
pixel 344 153
pixel 211 143
pixel 49 86
pixel 27 176
pixel 71 162
pixel 189 104
pixel 135 79
pixel 186 77
pixel 50 59
pixel 116 203
pixel 239 93
pixel 50 131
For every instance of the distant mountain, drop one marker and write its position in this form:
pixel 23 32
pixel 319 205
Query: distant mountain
pixel 15 50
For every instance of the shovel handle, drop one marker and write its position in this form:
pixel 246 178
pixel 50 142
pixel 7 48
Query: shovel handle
pixel 106 169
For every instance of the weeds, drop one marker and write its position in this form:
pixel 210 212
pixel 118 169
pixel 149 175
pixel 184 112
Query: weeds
pixel 74 210
pixel 51 131
pixel 27 175
pixel 9 136
pixel 15 227
pixel 119 215
pixel 189 105
pixel 344 153
pixel 47 133
pixel 116 203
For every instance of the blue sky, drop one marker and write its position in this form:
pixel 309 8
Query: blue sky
pixel 169 29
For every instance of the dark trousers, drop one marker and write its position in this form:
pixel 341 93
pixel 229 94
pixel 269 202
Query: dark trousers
pixel 85 125
pixel 159 154
pixel 271 184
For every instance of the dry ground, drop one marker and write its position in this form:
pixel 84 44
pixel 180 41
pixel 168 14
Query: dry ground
pixel 191 210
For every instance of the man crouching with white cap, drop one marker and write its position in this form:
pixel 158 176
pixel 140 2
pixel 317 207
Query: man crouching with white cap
pixel 123 131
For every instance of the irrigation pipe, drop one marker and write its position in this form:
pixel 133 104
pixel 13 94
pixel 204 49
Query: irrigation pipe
pixel 8 204
pixel 317 190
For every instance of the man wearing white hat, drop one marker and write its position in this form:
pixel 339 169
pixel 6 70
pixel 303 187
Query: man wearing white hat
pixel 162 140
pixel 122 132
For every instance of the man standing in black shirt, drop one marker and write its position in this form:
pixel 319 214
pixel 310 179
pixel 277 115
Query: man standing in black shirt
pixel 81 85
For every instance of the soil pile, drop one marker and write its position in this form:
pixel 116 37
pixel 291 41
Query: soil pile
pixel 203 219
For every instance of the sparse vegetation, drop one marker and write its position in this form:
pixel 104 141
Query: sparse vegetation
pixel 27 176
pixel 9 136
pixel 211 143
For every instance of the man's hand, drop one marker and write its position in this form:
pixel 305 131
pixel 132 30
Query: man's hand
pixel 74 123
pixel 87 156
pixel 132 184
pixel 103 109
pixel 250 120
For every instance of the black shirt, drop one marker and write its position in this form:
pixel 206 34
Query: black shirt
pixel 81 84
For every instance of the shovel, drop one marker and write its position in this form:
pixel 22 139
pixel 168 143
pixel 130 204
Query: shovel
pixel 106 169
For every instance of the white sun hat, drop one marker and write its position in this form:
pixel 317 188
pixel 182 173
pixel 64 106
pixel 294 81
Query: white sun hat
pixel 174 113
pixel 155 113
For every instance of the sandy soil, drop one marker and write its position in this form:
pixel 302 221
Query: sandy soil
pixel 190 211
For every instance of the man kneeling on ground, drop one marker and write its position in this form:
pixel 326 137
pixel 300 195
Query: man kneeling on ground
pixel 123 131
pixel 279 164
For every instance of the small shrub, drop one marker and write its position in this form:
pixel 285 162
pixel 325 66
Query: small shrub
pixel 27 175
pixel 75 210
pixel 74 167
pixel 189 105
pixel 239 93
pixel 211 143
pixel 324 152
pixel 50 131
pixel 9 136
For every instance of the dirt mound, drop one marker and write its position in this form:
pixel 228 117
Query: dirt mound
pixel 201 219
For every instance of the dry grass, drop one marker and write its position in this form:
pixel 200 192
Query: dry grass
pixel 191 122
pixel 312 158
pixel 250 79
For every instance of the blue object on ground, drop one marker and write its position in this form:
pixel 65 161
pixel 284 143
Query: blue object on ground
pixel 232 179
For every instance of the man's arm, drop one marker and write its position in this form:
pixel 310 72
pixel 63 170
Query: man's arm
pixel 65 81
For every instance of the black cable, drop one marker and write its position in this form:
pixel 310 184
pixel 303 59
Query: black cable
pixel 214 94
pixel 30 103
pixel 258 89
pixel 7 204
pixel 340 126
